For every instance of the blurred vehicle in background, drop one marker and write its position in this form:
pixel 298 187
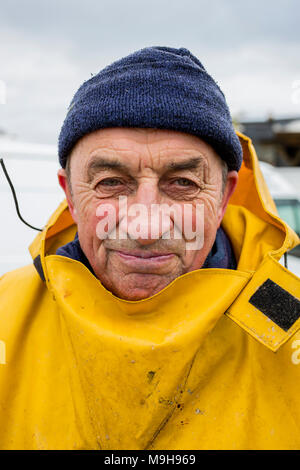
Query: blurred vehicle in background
pixel 286 196
pixel 291 174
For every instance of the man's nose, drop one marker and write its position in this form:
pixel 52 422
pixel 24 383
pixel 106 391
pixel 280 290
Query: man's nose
pixel 144 221
pixel 147 192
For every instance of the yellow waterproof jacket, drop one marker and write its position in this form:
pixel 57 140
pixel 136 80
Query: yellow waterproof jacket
pixel 210 362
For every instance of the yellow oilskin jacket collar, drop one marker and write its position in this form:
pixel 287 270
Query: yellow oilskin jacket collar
pixel 133 365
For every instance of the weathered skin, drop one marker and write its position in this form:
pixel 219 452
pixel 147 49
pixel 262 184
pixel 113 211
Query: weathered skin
pixel 146 177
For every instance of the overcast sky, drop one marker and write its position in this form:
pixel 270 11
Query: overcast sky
pixel 49 47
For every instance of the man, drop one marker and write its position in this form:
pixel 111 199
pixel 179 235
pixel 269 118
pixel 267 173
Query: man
pixel 151 316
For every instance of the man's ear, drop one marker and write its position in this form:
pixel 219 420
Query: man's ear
pixel 64 183
pixel 232 179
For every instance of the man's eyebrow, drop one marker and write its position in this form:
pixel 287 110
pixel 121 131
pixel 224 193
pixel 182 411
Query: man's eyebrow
pixel 191 164
pixel 100 163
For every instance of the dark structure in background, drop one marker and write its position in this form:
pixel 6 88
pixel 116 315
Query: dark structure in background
pixel 277 141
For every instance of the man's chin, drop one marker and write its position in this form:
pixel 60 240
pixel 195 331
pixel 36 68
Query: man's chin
pixel 137 286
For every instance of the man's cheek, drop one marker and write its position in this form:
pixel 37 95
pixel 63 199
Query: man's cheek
pixel 193 219
pixel 106 221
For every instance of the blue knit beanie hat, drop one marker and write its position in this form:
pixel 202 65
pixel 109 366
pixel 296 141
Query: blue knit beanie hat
pixel 155 87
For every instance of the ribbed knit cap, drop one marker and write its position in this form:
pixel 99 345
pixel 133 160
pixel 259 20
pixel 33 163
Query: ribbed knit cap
pixel 155 87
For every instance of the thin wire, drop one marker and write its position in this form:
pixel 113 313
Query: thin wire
pixel 15 197
pixel 285 260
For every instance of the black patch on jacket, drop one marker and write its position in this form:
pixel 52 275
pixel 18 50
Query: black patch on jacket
pixel 277 304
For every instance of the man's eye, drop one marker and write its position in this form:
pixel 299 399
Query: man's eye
pixel 110 182
pixel 185 182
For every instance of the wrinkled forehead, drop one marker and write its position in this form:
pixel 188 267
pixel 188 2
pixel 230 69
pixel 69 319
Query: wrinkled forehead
pixel 137 149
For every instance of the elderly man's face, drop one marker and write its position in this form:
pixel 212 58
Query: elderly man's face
pixel 148 167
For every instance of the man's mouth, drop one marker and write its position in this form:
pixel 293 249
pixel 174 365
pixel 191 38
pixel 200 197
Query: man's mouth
pixel 144 254
pixel 144 258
